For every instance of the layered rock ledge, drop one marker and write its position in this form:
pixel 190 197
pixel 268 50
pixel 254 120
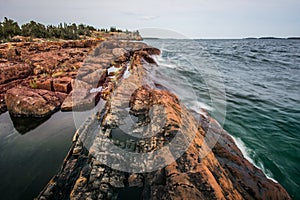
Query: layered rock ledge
pixel 144 144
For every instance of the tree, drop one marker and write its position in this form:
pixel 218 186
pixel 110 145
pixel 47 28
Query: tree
pixel 1 31
pixel 34 29
pixel 69 32
pixel 113 29
pixel 81 29
pixel 9 28
pixel 53 31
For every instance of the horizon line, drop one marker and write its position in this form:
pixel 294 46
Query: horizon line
pixel 225 38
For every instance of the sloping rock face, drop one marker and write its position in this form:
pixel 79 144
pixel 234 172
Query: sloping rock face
pixel 144 144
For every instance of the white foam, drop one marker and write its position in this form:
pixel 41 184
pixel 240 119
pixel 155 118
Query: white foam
pixel 197 106
pixel 126 73
pixel 245 151
pixel 162 62
pixel 94 90
pixel 112 69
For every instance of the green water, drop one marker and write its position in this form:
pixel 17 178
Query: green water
pixel 262 83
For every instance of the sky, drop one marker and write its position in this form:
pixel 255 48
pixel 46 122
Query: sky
pixel 190 18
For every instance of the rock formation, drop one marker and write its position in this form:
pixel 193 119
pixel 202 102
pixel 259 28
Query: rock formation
pixel 144 144
pixel 43 65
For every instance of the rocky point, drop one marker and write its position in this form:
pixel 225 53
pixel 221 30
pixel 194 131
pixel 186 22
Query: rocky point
pixel 143 143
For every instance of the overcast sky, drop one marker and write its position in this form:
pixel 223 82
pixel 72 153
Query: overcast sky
pixel 192 18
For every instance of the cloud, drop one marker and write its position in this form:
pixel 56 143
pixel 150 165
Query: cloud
pixel 131 13
pixel 196 18
pixel 140 16
pixel 147 18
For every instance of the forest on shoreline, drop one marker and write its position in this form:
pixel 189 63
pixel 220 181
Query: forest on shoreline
pixel 72 31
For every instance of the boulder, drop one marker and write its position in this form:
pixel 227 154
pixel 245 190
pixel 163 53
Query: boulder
pixel 3 89
pixel 26 102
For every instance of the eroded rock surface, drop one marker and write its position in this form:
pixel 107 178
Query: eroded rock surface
pixel 145 145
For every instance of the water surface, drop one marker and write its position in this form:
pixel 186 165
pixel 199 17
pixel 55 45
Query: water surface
pixel 31 152
pixel 262 84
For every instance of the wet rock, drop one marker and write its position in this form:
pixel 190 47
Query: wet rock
pixel 26 102
pixel 244 175
pixel 152 51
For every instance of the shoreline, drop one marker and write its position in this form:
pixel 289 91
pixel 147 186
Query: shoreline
pixel 82 186
pixel 77 150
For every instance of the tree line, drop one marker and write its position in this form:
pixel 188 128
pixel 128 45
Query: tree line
pixel 10 28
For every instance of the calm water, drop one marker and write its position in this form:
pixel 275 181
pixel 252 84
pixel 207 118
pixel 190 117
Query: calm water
pixel 262 83
pixel 31 152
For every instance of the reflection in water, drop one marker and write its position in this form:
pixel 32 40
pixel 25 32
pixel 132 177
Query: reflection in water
pixel 28 161
pixel 24 125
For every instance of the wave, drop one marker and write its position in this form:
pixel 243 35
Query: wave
pixel 162 62
pixel 197 106
pixel 246 153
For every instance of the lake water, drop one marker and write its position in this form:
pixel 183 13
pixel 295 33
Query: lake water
pixel 261 83
pixel 31 152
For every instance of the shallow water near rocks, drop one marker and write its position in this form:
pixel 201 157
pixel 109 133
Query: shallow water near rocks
pixel 31 152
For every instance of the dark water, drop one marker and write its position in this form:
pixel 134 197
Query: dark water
pixel 262 83
pixel 31 152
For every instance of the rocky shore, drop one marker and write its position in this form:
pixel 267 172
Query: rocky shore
pixel 35 77
pixel 143 143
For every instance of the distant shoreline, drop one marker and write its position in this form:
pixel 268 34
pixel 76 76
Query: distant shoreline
pixel 246 38
pixel 272 38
